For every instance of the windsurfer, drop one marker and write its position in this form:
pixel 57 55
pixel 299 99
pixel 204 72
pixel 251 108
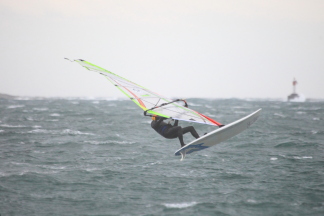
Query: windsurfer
pixel 171 131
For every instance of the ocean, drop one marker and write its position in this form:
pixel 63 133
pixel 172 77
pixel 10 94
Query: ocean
pixel 101 157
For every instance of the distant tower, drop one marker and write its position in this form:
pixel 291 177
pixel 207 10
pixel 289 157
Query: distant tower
pixel 294 95
pixel 294 86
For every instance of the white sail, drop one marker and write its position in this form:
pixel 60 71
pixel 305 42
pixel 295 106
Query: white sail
pixel 151 102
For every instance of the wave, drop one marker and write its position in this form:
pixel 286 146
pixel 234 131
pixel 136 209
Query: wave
pixel 286 144
pixel 63 132
pixel 294 157
pixel 15 106
pixel 180 205
pixel 94 98
pixel 303 157
pixel 108 142
pixel 13 126
pixel 280 115
pixel 40 108
pixel 28 173
pixel 55 115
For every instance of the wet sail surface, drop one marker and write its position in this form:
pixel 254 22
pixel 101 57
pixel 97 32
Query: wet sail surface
pixel 151 102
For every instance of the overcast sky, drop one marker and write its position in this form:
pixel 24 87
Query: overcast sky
pixel 178 48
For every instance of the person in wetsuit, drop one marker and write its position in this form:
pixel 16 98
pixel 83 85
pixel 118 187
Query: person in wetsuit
pixel 172 131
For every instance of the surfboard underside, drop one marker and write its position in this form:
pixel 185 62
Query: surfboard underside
pixel 219 135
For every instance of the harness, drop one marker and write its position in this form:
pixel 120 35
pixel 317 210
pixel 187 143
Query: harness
pixel 162 129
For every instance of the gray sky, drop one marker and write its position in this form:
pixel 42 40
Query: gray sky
pixel 181 48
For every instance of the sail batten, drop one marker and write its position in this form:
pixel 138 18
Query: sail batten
pixel 151 102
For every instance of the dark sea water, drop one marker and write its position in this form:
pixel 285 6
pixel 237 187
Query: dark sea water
pixel 100 157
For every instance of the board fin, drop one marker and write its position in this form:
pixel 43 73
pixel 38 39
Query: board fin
pixel 183 155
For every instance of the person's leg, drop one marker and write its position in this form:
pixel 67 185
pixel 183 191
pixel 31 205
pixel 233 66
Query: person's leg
pixel 192 130
pixel 180 136
pixel 175 132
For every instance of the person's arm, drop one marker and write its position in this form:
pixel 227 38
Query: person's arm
pixel 176 123
pixel 159 121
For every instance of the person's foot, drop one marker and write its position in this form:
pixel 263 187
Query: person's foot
pixel 205 133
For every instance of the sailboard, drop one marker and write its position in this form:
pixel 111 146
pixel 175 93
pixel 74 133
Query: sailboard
pixel 219 135
pixel 155 104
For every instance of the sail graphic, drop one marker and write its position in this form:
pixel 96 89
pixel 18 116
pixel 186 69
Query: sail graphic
pixel 151 102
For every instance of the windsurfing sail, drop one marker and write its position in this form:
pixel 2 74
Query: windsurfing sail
pixel 151 102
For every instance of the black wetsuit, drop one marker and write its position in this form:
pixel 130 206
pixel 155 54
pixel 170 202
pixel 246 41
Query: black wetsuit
pixel 172 131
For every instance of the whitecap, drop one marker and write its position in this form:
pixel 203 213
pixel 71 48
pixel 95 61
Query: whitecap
pixel 316 119
pixel 54 167
pixel 280 115
pixel 66 131
pixel 2 174
pixel 15 106
pixel 91 169
pixel 95 142
pixel 238 107
pixel 303 157
pixel 17 163
pixel 157 162
pixel 72 132
pixel 123 142
pixel 55 114
pixel 273 158
pixel 314 132
pixel 39 152
pixel 108 142
pixel 180 205
pixel 251 201
pixel 12 126
pixel 239 112
pixel 40 109
pixel 1 131
pixel 34 171
pixel 38 131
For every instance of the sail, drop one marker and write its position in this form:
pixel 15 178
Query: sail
pixel 151 102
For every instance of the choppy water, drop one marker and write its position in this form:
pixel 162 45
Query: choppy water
pixel 99 157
